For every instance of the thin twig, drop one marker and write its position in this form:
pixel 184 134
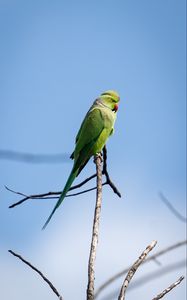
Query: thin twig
pixel 82 182
pixel 95 231
pixel 46 195
pixel 167 290
pixel 133 269
pixel 148 277
pixel 123 272
pixel 172 208
pixel 27 197
pixel 50 195
pixel 105 172
pixel 85 191
pixel 39 272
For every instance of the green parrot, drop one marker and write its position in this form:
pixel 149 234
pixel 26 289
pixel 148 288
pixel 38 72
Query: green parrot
pixel 95 129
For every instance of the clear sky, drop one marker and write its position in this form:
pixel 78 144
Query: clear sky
pixel 56 57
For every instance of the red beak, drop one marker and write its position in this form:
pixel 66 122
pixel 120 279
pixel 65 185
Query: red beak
pixel 115 107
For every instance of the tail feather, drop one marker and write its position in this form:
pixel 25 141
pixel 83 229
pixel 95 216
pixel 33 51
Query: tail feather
pixel 69 182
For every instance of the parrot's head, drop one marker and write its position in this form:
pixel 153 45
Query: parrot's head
pixel 110 99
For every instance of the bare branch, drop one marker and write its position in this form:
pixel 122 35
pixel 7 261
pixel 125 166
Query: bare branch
pixel 39 272
pixel 82 182
pixel 35 196
pixel 54 195
pixel 158 273
pixel 45 195
pixel 105 172
pixel 49 194
pixel 134 268
pixel 95 231
pixel 85 191
pixel 167 290
pixel 123 272
pixel 148 277
pixel 33 158
pixel 172 208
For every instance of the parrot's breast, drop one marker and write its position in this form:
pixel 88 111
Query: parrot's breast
pixel 109 119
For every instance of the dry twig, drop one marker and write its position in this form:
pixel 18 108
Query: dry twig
pixel 167 290
pixel 50 195
pixel 133 269
pixel 105 172
pixel 55 195
pixel 39 272
pixel 123 272
pixel 95 231
pixel 148 277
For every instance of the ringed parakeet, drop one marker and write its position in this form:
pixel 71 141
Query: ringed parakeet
pixel 95 129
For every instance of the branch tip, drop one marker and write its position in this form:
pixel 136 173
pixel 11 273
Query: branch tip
pixel 134 268
pixel 168 289
pixel 39 272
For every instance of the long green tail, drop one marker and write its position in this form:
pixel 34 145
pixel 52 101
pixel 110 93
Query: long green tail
pixel 69 182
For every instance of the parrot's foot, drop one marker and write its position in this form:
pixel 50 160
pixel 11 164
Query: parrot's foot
pixel 98 155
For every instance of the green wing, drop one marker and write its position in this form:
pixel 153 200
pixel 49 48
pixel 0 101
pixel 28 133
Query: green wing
pixel 80 129
pixel 89 132
pixel 91 128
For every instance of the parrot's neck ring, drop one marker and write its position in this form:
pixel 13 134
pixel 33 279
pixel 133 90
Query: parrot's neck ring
pixel 99 102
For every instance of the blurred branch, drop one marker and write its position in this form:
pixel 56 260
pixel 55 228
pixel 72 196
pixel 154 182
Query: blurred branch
pixel 172 208
pixel 153 257
pixel 55 195
pixel 167 290
pixel 39 272
pixel 158 273
pixel 33 158
pixel 150 276
pixel 95 231
pixel 134 268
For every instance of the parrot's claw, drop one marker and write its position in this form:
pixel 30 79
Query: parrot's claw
pixel 98 155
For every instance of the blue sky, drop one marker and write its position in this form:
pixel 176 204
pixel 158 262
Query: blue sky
pixel 56 57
